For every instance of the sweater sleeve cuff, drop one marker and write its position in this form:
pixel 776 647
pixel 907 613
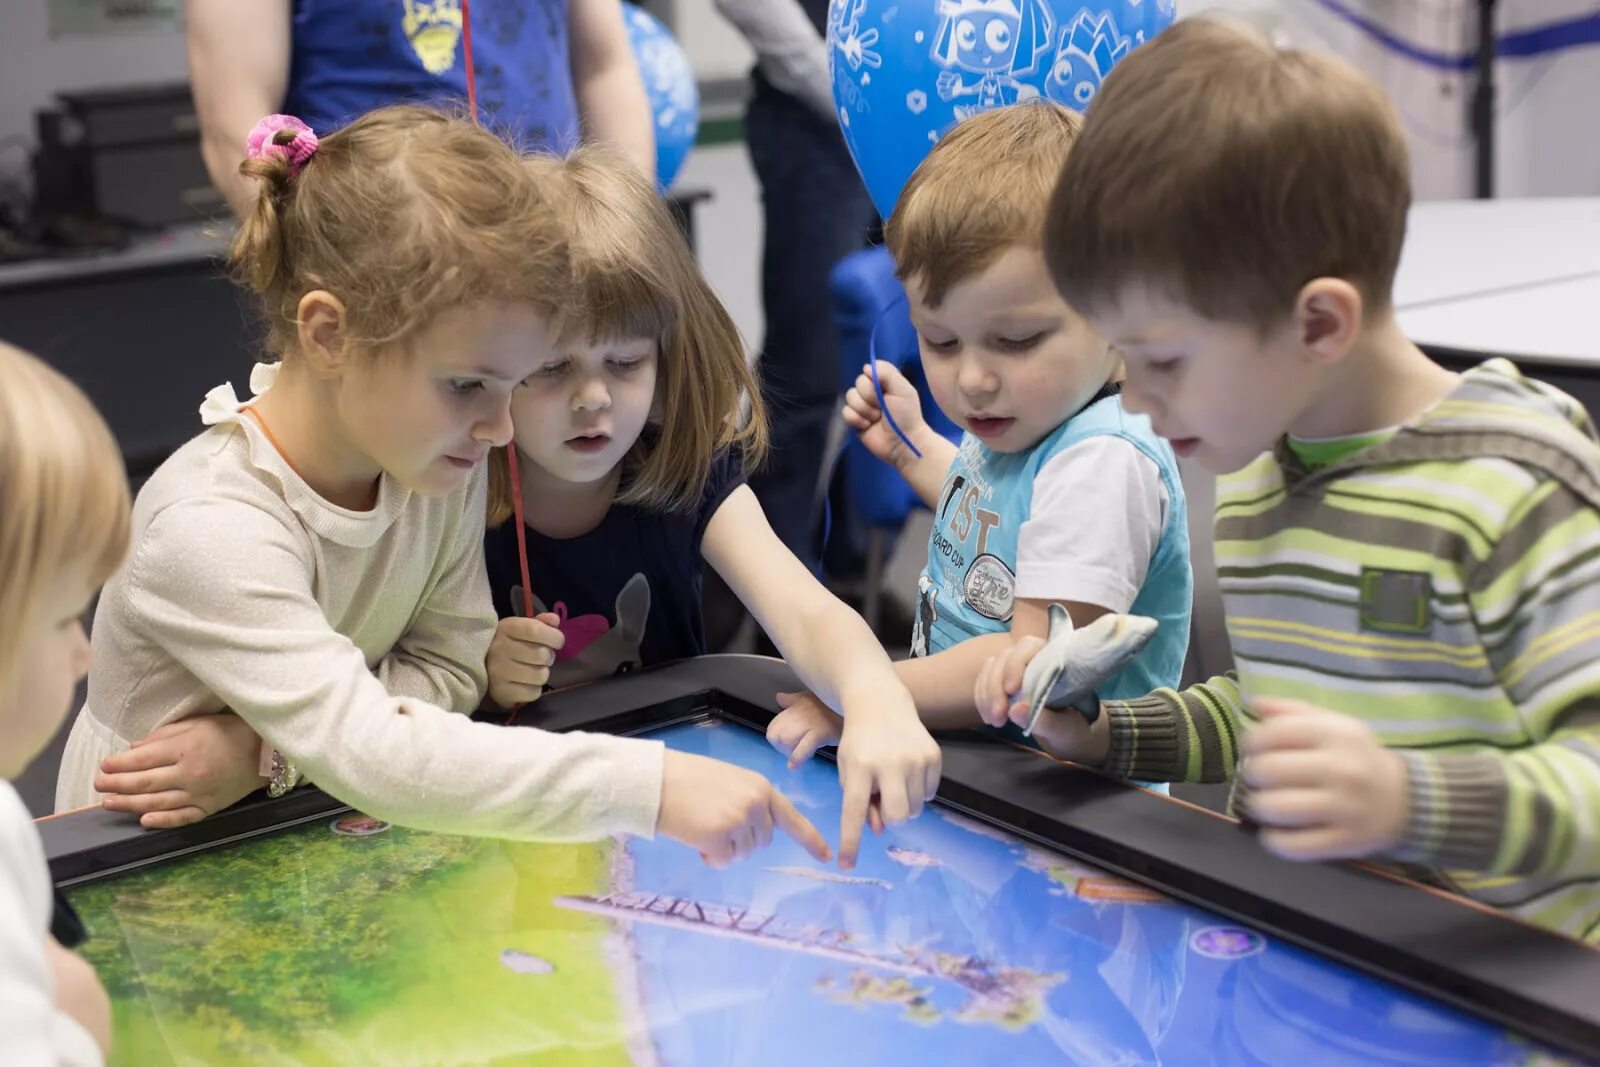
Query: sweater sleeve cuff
pixel 636 796
pixel 1457 813
pixel 1146 741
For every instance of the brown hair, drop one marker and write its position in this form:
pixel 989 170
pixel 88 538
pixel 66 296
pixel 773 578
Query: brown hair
pixel 63 494
pixel 982 189
pixel 403 214
pixel 1228 173
pixel 632 275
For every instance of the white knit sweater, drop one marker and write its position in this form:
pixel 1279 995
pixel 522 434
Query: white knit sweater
pixel 342 637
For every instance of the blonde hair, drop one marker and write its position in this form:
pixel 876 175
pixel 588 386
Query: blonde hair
pixel 63 494
pixel 633 275
pixel 403 214
pixel 1228 173
pixel 982 189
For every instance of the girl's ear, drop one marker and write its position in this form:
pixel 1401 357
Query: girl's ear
pixel 320 332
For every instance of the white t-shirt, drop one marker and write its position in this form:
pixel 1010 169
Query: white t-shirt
pixel 32 1029
pixel 1060 556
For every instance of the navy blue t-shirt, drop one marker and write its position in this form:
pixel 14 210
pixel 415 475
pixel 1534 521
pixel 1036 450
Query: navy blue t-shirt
pixel 349 57
pixel 628 590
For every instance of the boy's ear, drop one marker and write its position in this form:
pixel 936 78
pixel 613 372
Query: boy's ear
pixel 1328 316
pixel 320 332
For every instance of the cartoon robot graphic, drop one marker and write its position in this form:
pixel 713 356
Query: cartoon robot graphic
pixel 997 40
pixel 1089 48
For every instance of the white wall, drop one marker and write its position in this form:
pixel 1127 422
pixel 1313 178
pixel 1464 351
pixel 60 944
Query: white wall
pixel 1548 131
pixel 1550 116
pixel 715 49
pixel 728 232
pixel 34 67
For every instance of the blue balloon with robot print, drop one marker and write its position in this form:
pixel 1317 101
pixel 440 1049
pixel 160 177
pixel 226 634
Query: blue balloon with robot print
pixel 905 71
pixel 670 85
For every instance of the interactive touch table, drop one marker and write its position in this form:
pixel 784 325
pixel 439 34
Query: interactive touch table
pixel 1038 914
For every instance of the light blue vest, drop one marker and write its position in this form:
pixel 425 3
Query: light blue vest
pixel 966 589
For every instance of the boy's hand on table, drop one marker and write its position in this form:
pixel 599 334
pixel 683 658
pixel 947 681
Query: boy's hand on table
pixel 1064 734
pixel 804 725
pixel 1321 785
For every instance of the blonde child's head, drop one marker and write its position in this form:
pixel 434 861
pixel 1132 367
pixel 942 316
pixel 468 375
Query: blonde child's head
pixel 1231 219
pixel 402 215
pixel 648 355
pixel 412 273
pixel 984 188
pixel 1005 357
pixel 63 530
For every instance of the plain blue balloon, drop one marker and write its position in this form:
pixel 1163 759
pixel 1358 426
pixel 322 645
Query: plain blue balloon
pixel 670 85
pixel 905 71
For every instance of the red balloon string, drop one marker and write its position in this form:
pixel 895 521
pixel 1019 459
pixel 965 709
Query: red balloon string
pixel 511 446
pixel 466 46
pixel 522 529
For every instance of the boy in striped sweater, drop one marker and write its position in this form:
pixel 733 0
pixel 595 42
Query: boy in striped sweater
pixel 1408 558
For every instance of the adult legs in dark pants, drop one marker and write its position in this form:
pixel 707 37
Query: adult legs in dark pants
pixel 816 212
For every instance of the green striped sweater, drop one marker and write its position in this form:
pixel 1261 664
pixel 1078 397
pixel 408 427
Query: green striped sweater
pixel 1444 587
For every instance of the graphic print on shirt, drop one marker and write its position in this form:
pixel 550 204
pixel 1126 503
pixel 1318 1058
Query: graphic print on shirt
pixel 596 647
pixel 433 30
pixel 964 567
pixel 927 615
pixel 989 587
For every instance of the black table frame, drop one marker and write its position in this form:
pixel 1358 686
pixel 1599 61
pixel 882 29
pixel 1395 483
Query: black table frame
pixel 1524 978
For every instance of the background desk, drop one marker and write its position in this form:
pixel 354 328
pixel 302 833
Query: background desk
pixel 145 332
pixel 1460 248
pixel 1514 278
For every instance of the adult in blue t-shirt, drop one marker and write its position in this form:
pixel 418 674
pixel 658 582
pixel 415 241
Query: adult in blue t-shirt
pixel 545 69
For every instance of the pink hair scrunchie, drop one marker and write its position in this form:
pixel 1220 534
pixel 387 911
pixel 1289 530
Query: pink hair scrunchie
pixel 261 141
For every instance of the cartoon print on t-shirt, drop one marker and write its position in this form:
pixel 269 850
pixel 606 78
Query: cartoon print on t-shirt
pixel 961 537
pixel 970 580
pixel 989 587
pixel 927 612
pixel 433 30
pixel 596 647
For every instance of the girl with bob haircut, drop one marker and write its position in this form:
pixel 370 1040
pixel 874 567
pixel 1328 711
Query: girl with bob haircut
pixel 632 443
